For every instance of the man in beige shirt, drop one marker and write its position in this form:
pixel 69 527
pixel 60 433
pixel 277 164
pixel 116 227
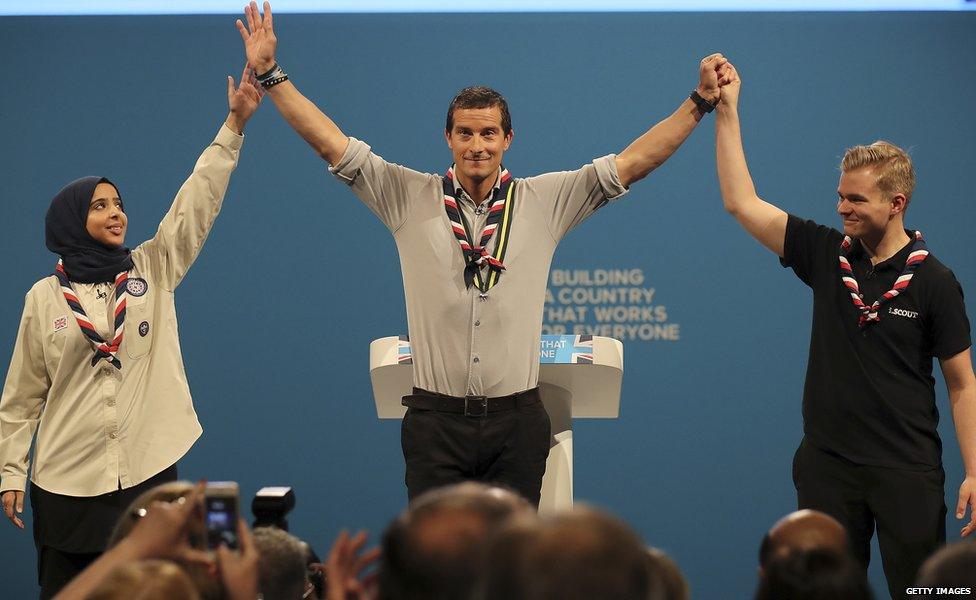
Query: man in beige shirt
pixel 475 249
pixel 97 372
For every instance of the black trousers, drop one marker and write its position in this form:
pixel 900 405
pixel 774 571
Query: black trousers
pixel 506 448
pixel 906 507
pixel 70 532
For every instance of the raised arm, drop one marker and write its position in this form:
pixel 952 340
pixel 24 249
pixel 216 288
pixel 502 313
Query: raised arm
pixel 321 133
pixel 959 378
pixel 650 150
pixel 243 100
pixel 185 227
pixel 762 220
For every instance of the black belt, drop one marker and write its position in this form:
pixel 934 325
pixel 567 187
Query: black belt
pixel 469 406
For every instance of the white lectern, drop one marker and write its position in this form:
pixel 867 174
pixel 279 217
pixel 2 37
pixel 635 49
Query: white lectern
pixel 579 377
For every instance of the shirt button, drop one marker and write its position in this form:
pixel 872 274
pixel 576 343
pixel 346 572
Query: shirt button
pixel 111 402
pixel 112 435
pixel 476 359
pixel 477 323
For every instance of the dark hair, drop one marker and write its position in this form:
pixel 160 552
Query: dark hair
pixel 813 575
pixel 433 549
pixel 580 555
pixel 589 554
pixel 952 566
pixel 479 97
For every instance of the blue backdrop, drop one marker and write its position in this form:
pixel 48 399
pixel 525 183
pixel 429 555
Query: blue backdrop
pixel 297 276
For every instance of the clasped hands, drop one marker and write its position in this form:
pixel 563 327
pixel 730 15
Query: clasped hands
pixel 715 72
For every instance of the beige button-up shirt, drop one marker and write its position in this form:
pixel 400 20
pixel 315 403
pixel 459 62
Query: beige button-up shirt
pixel 98 427
pixel 463 344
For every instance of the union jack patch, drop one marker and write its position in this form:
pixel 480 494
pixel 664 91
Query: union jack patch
pixel 60 323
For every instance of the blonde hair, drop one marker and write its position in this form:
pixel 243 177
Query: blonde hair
pixel 145 580
pixel 896 175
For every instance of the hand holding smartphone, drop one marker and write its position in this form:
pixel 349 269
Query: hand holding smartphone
pixel 221 501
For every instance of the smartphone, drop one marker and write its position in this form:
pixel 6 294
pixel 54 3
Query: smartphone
pixel 221 505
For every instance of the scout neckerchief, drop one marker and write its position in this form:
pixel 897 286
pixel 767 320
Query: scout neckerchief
pixel 104 350
pixel 500 208
pixel 869 314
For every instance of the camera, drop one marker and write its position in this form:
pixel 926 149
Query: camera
pixel 270 507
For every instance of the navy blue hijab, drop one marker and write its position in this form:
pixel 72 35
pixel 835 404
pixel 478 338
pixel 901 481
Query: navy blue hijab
pixel 86 260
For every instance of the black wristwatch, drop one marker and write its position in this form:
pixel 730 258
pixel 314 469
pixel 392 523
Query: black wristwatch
pixel 704 105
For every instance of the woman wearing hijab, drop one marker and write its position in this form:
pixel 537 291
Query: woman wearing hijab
pixel 97 372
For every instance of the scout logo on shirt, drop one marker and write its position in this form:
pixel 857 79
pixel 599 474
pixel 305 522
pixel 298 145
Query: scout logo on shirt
pixel 136 286
pixel 901 312
pixel 144 328
pixel 60 323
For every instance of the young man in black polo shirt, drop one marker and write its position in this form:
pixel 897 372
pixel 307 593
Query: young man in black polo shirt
pixel 883 307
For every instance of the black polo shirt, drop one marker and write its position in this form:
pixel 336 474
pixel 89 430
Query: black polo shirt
pixel 869 394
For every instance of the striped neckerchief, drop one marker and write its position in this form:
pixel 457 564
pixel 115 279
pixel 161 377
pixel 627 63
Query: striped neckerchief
pixel 103 349
pixel 869 314
pixel 500 204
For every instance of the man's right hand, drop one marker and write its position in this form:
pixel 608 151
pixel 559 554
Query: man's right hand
pixel 259 37
pixel 13 504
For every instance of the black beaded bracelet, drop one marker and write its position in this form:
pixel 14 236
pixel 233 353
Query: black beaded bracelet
pixel 704 105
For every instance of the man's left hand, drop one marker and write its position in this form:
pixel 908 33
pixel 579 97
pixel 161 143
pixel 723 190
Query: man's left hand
pixel 967 497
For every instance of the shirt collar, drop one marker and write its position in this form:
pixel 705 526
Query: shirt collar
pixel 463 195
pixel 896 261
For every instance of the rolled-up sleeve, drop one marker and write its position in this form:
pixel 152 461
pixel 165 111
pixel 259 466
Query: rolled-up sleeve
pixel 606 173
pixel 386 188
pixel 570 197
pixel 346 170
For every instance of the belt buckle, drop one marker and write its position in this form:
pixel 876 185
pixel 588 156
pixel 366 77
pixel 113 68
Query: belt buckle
pixel 476 406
